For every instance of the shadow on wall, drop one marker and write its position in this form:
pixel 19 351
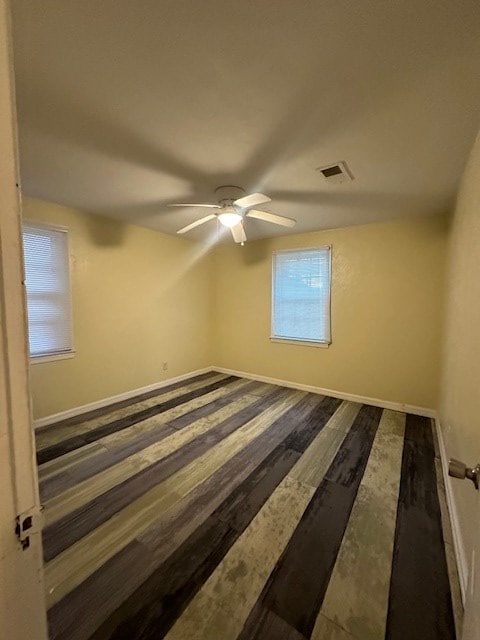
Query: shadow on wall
pixel 256 252
pixel 104 232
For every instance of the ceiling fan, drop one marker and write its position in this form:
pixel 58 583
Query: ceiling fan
pixel 234 206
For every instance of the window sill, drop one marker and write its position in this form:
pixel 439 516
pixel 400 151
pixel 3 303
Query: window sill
pixel 52 357
pixel 301 343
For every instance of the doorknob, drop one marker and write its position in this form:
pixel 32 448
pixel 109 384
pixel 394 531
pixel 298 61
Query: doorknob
pixel 458 469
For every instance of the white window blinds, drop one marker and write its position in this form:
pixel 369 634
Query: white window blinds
pixel 301 295
pixel 48 290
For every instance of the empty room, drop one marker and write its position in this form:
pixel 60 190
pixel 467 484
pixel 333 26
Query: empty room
pixel 240 320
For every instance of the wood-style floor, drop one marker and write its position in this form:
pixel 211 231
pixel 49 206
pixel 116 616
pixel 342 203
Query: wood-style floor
pixel 221 508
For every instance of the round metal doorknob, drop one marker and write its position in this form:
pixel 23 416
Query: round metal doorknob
pixel 458 469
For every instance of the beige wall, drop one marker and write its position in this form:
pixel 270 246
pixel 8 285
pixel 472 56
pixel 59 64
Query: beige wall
pixel 139 298
pixel 387 296
pixel 460 398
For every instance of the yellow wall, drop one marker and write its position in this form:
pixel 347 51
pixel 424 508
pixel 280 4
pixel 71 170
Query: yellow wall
pixel 460 398
pixel 139 298
pixel 387 296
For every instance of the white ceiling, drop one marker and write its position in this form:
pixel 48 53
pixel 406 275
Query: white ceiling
pixel 127 105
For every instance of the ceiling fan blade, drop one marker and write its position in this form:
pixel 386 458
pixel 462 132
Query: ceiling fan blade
pixel 238 233
pixel 197 223
pixel 191 204
pixel 271 217
pixel 252 200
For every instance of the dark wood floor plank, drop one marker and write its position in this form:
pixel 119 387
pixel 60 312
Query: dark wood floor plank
pixel 304 434
pixel 418 431
pixel 267 625
pixel 75 616
pixel 63 447
pixel 420 606
pixel 349 464
pixel 96 413
pixel 153 608
pixel 62 534
pixel 297 586
pixel 237 509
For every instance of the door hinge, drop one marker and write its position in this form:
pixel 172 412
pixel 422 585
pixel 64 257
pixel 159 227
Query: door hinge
pixel 27 524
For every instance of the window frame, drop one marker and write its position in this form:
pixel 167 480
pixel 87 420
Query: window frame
pixel 54 355
pixel 322 344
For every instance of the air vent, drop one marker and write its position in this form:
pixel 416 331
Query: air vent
pixel 336 173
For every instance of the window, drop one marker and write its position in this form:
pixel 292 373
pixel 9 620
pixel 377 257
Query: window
pixel 48 290
pixel 301 295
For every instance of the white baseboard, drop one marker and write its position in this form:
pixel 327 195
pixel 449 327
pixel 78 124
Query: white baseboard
pixel 98 404
pixel 458 545
pixel 384 404
pixel 376 402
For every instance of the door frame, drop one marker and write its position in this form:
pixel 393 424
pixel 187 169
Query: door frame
pixel 22 600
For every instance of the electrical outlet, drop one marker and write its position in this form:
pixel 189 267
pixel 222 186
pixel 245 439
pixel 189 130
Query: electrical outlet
pixel 165 366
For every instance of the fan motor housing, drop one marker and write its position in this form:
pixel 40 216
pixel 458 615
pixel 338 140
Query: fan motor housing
pixel 228 193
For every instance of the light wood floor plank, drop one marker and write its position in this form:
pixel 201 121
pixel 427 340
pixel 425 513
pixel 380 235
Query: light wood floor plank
pixel 314 463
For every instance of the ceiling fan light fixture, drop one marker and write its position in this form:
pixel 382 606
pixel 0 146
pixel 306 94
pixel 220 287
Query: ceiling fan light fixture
pixel 229 218
pixel 234 210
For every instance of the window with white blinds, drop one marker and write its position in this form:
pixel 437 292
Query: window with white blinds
pixel 48 290
pixel 301 295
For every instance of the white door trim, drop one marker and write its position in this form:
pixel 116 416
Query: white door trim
pixel 458 544
pixel 22 602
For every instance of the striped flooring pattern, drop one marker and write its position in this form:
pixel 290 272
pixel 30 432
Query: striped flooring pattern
pixel 222 508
